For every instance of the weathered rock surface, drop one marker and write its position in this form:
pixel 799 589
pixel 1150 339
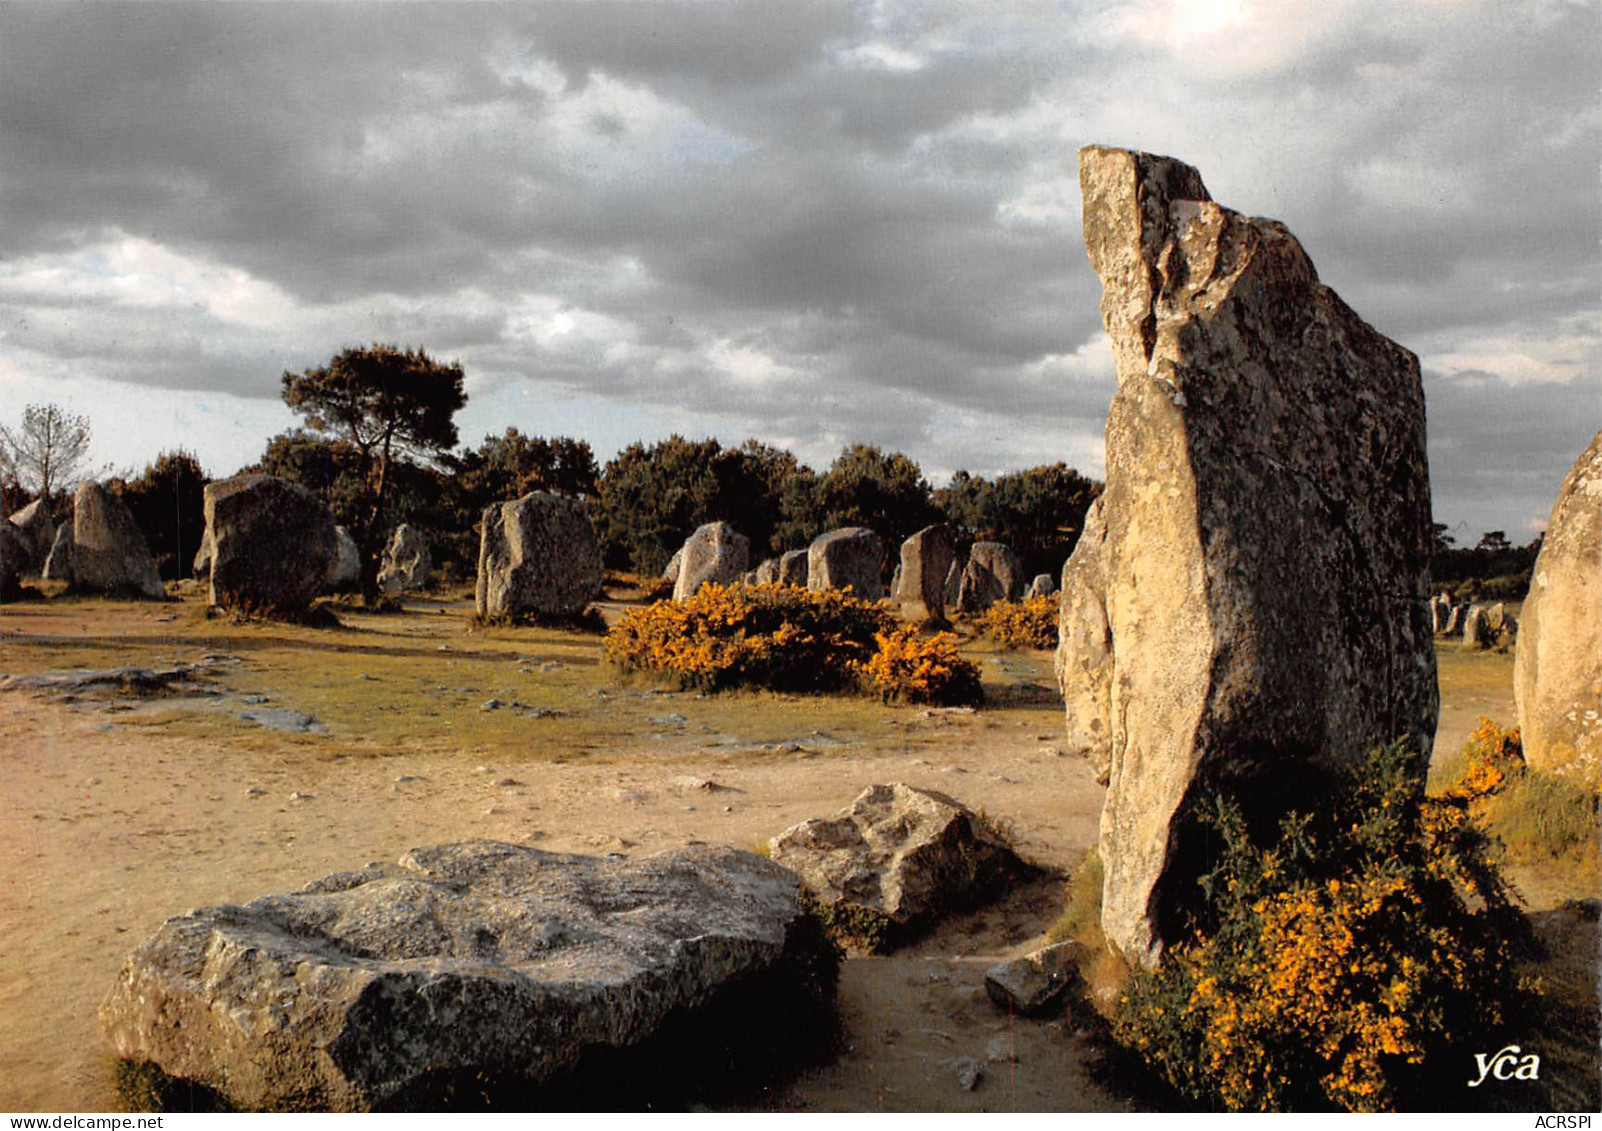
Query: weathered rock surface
pixel 1084 661
pixel 848 558
pixel 1557 670
pixel 407 561
pixel 1034 984
pixel 201 566
pixel 767 573
pixel 345 570
pixel 793 568
pixel 1043 585
pixel 670 572
pixel 109 554
pixel 58 563
pixel 907 854
pixel 1265 559
pixel 37 531
pixel 715 553
pixel 496 967
pixel 538 556
pixel 272 544
pixel 993 573
pixel 926 559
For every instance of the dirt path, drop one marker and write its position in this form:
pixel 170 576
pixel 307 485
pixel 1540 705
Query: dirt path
pixel 111 821
pixel 106 830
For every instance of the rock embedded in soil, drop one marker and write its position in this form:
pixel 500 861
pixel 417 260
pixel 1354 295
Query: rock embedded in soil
pixel 272 545
pixel 1557 671
pixel 1034 984
pixel 897 860
pixel 538 557
pixel 1263 568
pixel 481 972
pixel 793 568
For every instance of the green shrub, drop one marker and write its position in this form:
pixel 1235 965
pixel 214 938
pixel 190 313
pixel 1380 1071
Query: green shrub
pixel 1536 816
pixel 1366 950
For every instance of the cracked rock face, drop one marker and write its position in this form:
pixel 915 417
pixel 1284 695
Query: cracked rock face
pixel 272 544
pixel 1557 672
pixel 537 556
pixel 715 553
pixel 1251 602
pixel 482 962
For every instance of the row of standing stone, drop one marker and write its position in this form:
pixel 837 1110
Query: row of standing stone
pixel 930 575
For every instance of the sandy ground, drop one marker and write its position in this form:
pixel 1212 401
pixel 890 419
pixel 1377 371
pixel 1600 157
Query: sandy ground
pixel 106 830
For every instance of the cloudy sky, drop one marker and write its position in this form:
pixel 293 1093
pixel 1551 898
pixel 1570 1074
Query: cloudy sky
pixel 814 223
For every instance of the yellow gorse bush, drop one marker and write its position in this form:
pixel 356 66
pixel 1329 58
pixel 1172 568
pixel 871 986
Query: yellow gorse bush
pixel 1370 946
pixel 909 668
pixel 789 638
pixel 1030 623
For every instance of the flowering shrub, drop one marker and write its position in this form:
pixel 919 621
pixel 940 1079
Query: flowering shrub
pixel 1030 623
pixel 778 636
pixel 1490 757
pixel 1369 947
pixel 789 638
pixel 908 668
pixel 1536 816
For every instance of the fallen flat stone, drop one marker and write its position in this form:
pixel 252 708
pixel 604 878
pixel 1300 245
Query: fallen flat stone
pixel 481 973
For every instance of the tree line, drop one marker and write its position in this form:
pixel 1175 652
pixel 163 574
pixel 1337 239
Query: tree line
pixel 378 443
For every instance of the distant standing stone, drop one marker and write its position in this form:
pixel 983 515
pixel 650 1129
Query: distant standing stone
pixel 109 554
pixel 1041 586
pixel 716 553
pixel 793 568
pixel 38 532
pixel 850 557
pixel 272 542
pixel 345 570
pixel 407 561
pixel 993 573
pixel 58 563
pixel 538 556
pixel 926 559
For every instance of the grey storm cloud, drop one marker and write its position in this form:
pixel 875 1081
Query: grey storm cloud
pixel 818 220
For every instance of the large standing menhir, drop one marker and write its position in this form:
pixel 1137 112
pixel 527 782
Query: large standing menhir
pixel 1252 607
